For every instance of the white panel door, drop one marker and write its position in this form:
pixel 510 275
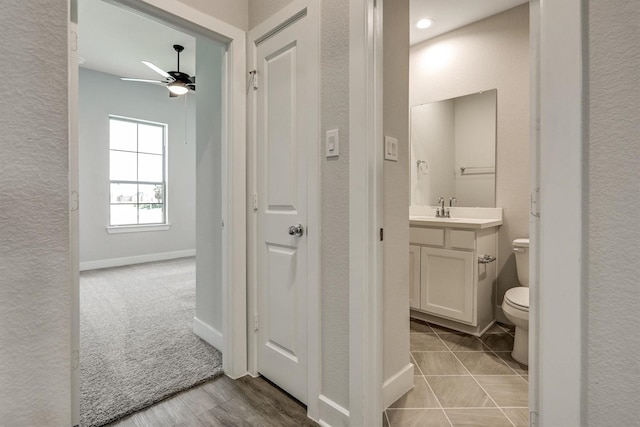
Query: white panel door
pixel 447 283
pixel 283 135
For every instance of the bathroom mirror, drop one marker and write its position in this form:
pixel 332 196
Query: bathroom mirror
pixel 453 151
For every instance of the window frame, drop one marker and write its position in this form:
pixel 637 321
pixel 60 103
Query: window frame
pixel 155 226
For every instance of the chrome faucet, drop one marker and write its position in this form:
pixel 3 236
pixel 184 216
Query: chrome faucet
pixel 440 212
pixel 452 200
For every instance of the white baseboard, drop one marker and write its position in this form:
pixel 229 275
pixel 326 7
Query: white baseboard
pixel 397 385
pixel 332 414
pixel 208 333
pixel 138 259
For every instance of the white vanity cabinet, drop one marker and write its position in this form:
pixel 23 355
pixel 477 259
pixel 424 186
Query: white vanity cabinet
pixel 448 284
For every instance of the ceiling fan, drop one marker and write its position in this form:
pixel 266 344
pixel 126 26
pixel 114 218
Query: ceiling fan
pixel 177 82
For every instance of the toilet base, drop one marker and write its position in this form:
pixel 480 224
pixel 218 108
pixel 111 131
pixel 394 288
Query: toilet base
pixel 521 346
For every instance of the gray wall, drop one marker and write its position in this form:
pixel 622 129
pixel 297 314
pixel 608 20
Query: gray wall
pixel 35 298
pixel 489 54
pixel 104 94
pixel 396 188
pixel 612 367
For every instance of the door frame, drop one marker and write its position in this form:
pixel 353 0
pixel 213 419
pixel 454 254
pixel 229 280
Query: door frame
pixel 185 18
pixel 557 247
pixel 270 26
pixel 366 202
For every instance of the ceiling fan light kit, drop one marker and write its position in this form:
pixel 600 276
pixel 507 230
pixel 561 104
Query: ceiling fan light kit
pixel 178 88
pixel 177 82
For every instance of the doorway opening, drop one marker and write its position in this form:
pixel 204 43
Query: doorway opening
pixel 208 148
pixel 484 171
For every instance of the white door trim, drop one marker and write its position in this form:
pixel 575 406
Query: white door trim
pixel 234 174
pixel 558 300
pixel 365 213
pixel 260 32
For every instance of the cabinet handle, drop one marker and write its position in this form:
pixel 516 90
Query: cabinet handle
pixel 486 259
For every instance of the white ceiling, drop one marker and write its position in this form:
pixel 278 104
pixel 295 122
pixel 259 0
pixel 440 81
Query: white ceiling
pixel 448 15
pixel 114 40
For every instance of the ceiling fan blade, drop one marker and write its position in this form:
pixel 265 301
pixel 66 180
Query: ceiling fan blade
pixel 159 70
pixel 143 80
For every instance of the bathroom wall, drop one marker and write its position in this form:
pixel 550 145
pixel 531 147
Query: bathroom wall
pixel 489 54
pixel 612 202
pixel 35 302
pixel 104 94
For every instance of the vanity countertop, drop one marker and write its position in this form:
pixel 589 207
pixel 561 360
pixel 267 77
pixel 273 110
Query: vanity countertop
pixel 475 223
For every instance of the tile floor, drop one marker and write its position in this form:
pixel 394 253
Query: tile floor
pixel 462 380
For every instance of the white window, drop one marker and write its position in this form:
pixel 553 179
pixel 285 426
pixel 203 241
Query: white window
pixel 137 173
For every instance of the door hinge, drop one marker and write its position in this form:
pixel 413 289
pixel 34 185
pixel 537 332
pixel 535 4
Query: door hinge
pixel 75 359
pixel 256 322
pixel 533 418
pixel 381 234
pixel 74 201
pixel 255 201
pixel 254 79
pixel 535 201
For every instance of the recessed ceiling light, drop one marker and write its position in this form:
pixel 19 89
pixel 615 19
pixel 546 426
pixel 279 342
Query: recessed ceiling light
pixel 424 23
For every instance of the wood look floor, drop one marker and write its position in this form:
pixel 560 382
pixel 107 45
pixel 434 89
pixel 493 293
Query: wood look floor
pixel 224 402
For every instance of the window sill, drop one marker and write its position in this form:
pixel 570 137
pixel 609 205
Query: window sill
pixel 117 229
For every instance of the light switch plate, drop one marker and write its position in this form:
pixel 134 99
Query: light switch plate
pixel 332 143
pixel 391 148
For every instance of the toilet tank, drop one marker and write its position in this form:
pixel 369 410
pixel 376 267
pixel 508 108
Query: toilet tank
pixel 521 249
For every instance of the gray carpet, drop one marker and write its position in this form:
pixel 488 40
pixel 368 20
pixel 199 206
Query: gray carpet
pixel 136 341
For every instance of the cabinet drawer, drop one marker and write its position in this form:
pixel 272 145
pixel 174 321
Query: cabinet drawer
pixel 426 236
pixel 461 239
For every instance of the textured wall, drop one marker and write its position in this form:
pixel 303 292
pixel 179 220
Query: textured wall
pixel 34 221
pixel 234 12
pixel 396 187
pixel 101 95
pixel 334 214
pixel 490 54
pixel 612 374
pixel 259 10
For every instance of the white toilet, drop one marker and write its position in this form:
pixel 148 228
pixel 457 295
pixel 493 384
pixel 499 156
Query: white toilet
pixel 516 303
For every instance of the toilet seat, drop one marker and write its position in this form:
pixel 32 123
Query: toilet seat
pixel 518 298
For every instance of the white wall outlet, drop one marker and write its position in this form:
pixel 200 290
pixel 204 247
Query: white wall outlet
pixel 332 143
pixel 391 148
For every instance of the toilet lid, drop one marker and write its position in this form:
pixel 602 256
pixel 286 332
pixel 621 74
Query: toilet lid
pixel 518 296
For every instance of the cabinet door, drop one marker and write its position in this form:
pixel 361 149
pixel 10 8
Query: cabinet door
pixel 414 276
pixel 447 287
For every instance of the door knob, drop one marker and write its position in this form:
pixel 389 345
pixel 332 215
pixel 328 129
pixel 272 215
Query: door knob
pixel 296 230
